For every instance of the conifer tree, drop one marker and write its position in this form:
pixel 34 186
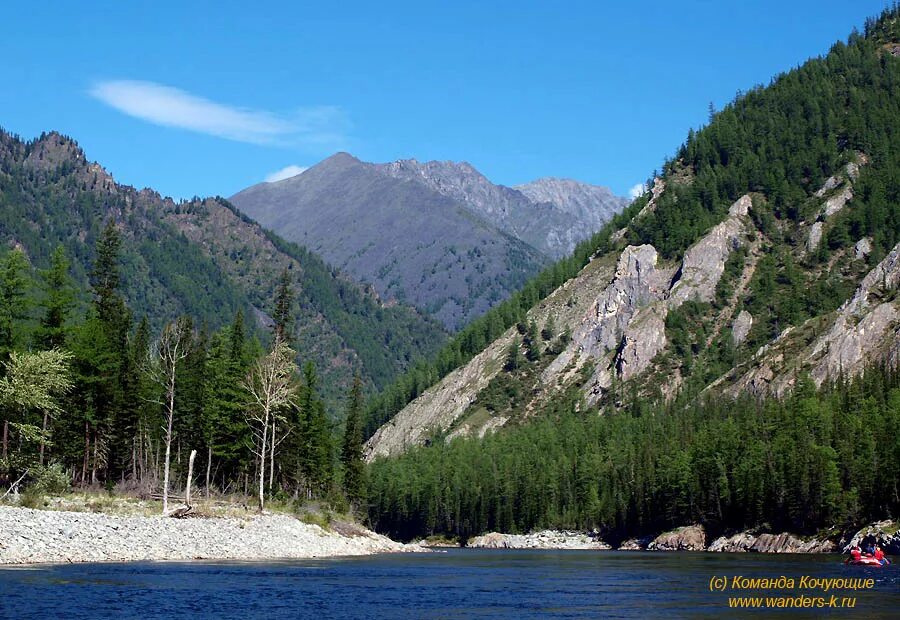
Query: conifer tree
pixel 351 449
pixel 60 298
pixel 284 300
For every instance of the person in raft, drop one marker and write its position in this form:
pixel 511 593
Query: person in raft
pixel 855 555
pixel 879 555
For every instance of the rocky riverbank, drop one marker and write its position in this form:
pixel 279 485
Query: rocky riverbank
pixel 694 538
pixel 40 536
pixel 546 539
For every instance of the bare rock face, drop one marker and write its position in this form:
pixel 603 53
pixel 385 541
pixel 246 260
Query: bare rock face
pixel 788 543
pixel 739 543
pixel 863 248
pixel 885 534
pixel 862 326
pixel 815 236
pixel 741 326
pixel 837 202
pixel 644 337
pixel 440 405
pixel 637 282
pixel 704 262
pixel 687 538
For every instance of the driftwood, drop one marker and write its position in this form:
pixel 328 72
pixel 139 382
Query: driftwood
pixel 182 512
pixel 15 485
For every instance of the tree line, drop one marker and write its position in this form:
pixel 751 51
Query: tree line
pixel 817 460
pixel 96 394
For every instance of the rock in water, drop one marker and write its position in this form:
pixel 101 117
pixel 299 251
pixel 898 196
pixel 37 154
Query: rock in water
pixel 687 538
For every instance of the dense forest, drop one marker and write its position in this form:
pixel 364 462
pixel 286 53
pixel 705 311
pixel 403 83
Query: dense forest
pixel 93 397
pixel 814 461
pixel 779 142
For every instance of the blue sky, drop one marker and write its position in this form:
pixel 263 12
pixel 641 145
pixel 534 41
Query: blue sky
pixel 215 97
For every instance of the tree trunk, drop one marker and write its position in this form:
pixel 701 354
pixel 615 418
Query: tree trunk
pixel 262 458
pixel 208 469
pixel 272 459
pixel 43 437
pixel 87 451
pixel 170 414
pixel 94 462
pixel 187 489
pixel 5 437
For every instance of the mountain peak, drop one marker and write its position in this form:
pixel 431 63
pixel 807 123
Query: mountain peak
pixel 52 149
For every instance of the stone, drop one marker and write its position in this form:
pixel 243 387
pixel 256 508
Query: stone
pixel 863 248
pixel 886 534
pixel 739 543
pixel 687 538
pixel 704 262
pixel 815 237
pixel 741 327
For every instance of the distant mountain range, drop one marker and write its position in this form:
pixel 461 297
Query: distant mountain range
pixel 437 235
pixel 201 258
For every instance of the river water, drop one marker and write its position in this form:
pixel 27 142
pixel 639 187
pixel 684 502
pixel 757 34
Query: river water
pixel 455 584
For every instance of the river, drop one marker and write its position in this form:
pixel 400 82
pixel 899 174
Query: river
pixel 455 584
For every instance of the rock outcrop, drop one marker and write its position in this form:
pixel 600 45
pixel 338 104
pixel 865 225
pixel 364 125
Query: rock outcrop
pixel 545 539
pixel 788 543
pixel 864 323
pixel 704 262
pixel 687 538
pixel 739 543
pixel 885 534
pixel 741 327
pixel 636 544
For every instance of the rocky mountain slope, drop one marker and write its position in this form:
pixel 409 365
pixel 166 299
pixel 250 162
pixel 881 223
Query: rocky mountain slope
pixel 437 235
pixel 202 258
pixel 758 259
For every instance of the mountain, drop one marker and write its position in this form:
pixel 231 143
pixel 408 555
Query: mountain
pixel 552 215
pixel 436 235
pixel 202 258
pixel 738 327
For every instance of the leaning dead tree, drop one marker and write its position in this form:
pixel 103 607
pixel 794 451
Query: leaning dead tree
pixel 272 386
pixel 170 350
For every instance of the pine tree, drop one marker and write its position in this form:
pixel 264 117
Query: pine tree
pixel 284 299
pixel 60 298
pixel 351 450
pixel 14 287
pixel 513 356
pixel 533 342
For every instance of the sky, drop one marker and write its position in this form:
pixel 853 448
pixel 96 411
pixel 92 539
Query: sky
pixel 210 98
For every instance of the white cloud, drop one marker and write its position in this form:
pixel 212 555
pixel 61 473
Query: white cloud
pixel 171 107
pixel 636 191
pixel 285 173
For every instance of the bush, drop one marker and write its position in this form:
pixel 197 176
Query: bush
pixel 50 480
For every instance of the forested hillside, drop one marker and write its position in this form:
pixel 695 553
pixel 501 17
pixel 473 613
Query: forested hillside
pixel 199 258
pixel 764 261
pixel 88 397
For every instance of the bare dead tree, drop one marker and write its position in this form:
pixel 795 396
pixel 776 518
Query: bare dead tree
pixel 171 349
pixel 272 386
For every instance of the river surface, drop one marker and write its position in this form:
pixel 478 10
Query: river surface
pixel 455 584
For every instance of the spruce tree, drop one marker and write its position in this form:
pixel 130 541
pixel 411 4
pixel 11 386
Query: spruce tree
pixel 60 298
pixel 351 449
pixel 284 299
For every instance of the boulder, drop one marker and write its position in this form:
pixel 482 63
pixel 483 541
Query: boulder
pixel 687 538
